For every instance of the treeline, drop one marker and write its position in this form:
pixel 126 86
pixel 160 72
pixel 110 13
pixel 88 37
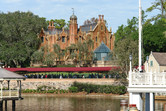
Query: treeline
pixel 153 36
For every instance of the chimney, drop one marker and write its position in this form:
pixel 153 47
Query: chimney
pixel 90 28
pixel 80 28
pixel 99 17
pixel 49 23
pixel 52 23
pixel 49 27
pixel 102 17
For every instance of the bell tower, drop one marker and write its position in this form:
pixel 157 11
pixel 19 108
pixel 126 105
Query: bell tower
pixel 73 27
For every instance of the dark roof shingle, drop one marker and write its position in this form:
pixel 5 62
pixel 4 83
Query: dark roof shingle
pixel 86 28
pixel 160 58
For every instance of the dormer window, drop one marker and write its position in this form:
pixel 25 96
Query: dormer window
pixel 42 39
pixel 63 38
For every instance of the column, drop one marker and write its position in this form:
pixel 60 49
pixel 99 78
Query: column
pixel 20 90
pixel 147 102
pixel 5 105
pixel 13 105
pixel 1 89
pixel 130 98
pixel 1 105
pixel 152 104
pixel 136 98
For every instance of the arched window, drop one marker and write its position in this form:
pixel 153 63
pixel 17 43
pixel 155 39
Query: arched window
pixel 96 39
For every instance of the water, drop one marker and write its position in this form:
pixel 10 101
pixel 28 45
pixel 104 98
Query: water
pixel 67 103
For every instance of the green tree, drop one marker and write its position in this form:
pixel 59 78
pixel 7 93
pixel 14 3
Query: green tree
pixel 18 35
pixel 123 49
pixel 159 5
pixel 49 59
pixel 154 38
pixel 58 51
pixel 59 23
pixel 38 56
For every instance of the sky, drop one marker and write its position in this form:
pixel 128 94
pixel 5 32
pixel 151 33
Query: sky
pixel 116 12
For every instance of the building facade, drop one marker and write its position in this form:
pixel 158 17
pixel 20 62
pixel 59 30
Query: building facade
pixel 156 62
pixel 98 32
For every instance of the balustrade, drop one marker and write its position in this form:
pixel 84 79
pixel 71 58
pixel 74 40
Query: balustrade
pixel 148 79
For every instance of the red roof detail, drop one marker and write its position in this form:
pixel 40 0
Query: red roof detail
pixel 64 69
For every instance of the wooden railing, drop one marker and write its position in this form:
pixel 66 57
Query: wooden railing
pixel 9 93
pixel 147 79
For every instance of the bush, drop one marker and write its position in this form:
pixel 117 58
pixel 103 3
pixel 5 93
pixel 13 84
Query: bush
pixel 73 89
pixel 90 88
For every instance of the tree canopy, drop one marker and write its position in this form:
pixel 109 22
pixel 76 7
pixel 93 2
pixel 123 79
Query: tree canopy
pixel 59 23
pixel 18 35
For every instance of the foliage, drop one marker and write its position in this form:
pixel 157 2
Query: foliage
pixel 154 38
pixel 49 59
pixel 159 5
pixel 85 52
pixel 59 23
pixel 91 21
pixel 91 88
pixel 73 89
pixel 38 56
pixel 58 51
pixel 18 35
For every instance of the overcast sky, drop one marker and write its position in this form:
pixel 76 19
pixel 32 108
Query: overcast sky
pixel 116 12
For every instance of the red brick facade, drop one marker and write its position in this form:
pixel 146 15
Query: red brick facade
pixel 98 32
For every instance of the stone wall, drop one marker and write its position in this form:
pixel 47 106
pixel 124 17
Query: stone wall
pixel 58 83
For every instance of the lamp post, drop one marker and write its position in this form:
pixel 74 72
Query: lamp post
pixel 130 58
pixel 147 59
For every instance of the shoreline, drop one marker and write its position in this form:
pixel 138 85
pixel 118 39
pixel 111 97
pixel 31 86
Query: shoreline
pixel 80 94
pixel 91 95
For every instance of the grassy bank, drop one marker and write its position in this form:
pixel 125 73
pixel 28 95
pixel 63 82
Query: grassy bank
pixel 81 87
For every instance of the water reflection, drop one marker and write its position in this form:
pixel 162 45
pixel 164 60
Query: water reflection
pixel 53 103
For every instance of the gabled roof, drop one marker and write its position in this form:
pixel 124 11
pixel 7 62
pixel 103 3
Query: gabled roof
pixel 86 28
pixel 160 58
pixel 5 74
pixel 102 49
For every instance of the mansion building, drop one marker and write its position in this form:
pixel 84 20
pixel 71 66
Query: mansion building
pixel 98 32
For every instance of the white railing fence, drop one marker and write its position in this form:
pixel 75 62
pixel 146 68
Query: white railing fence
pixel 137 78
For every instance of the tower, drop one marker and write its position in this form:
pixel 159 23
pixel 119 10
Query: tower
pixel 73 27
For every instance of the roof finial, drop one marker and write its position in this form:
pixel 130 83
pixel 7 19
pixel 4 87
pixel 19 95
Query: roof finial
pixel 73 10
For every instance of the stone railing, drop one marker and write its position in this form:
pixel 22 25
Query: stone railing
pixel 147 79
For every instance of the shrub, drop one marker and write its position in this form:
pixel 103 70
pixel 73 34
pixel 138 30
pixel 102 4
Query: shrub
pixel 89 88
pixel 73 89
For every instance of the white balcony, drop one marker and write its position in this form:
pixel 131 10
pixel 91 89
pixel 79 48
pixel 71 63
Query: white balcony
pixel 147 82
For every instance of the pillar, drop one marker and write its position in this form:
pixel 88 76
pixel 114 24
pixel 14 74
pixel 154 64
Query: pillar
pixel 147 102
pixel 20 90
pixel 152 102
pixel 1 105
pixel 13 105
pixel 5 105
pixel 136 98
